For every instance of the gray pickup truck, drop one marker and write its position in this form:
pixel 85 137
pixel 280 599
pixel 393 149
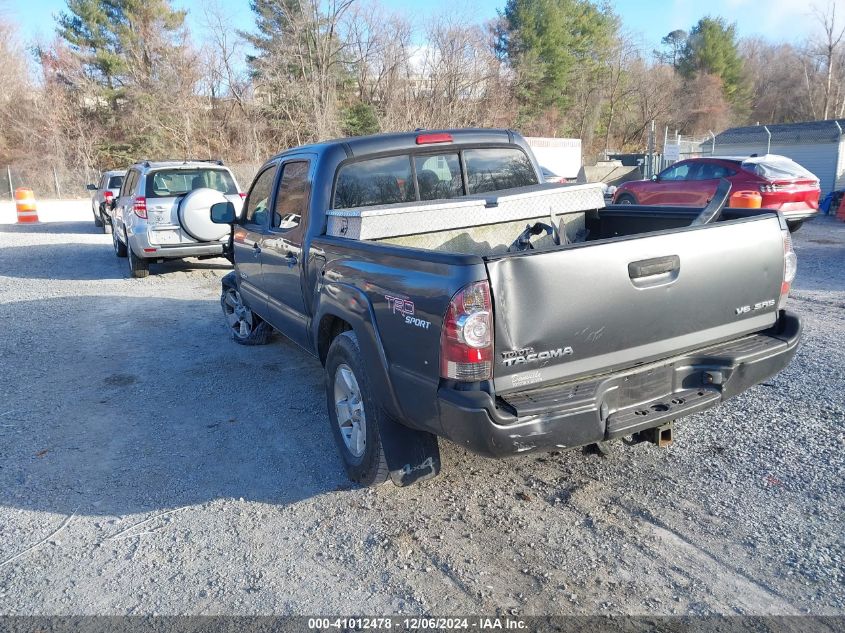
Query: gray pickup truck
pixel 448 292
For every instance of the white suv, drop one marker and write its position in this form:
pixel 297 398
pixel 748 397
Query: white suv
pixel 163 212
pixel 104 192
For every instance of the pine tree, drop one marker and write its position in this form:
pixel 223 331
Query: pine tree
pixel 712 49
pixel 120 41
pixel 548 42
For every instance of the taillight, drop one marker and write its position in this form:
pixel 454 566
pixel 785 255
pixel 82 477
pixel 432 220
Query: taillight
pixel 790 267
pixel 140 207
pixel 108 195
pixel 466 341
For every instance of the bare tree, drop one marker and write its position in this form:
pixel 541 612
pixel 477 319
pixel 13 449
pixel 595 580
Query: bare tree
pixel 828 52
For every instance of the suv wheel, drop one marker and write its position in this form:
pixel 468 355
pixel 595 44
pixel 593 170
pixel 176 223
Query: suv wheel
pixel 98 219
pixel 353 413
pixel 247 328
pixel 119 247
pixel 626 198
pixel 138 266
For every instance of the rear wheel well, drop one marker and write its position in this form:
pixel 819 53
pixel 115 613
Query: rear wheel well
pixel 330 328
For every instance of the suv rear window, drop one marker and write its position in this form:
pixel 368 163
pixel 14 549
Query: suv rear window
pixel 777 168
pixel 166 183
pixel 115 182
pixel 439 176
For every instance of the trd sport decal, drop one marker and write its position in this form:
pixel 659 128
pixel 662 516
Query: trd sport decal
pixel 405 308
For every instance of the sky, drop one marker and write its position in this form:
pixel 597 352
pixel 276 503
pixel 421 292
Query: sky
pixel 646 20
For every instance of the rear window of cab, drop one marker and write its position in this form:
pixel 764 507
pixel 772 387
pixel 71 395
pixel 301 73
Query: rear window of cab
pixel 431 176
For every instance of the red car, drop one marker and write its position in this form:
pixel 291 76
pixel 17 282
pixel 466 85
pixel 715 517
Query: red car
pixel 783 184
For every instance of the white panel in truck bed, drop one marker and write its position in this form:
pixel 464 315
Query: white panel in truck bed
pixel 392 220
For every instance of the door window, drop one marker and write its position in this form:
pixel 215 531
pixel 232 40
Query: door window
pixel 129 183
pixel 439 177
pixel 292 196
pixel 680 171
pixel 712 171
pixel 257 204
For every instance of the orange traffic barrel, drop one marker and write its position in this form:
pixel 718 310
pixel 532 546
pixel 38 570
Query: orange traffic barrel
pixel 25 203
pixel 746 200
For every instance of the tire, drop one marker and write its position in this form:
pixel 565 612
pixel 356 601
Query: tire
pixel 98 220
pixel 138 266
pixel 626 198
pixel 246 327
pixel 354 414
pixel 119 247
pixel 195 218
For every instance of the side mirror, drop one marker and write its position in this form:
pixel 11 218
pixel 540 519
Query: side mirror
pixel 91 187
pixel 654 178
pixel 223 213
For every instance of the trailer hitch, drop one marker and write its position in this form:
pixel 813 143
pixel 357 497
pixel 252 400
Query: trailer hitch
pixel 661 435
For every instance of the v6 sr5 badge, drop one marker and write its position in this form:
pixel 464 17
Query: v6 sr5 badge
pixel 405 309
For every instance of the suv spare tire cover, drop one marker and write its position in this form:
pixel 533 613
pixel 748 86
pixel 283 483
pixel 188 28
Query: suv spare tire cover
pixel 195 215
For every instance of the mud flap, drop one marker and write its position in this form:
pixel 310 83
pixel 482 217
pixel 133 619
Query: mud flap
pixel 411 455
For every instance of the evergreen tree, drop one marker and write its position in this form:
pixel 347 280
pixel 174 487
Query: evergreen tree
pixel 548 41
pixel 712 49
pixel 300 66
pixel 135 63
pixel 273 23
pixel 120 42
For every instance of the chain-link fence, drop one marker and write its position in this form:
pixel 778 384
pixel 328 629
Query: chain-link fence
pixel 46 181
pixel 49 181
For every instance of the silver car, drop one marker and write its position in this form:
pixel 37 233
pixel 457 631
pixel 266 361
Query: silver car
pixel 105 191
pixel 163 212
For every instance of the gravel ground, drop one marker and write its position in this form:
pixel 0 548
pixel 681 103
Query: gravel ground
pixel 150 465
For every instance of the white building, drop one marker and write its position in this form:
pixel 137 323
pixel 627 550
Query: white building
pixel 816 145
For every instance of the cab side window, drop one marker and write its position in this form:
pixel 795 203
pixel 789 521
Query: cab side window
pixel 257 203
pixel 292 196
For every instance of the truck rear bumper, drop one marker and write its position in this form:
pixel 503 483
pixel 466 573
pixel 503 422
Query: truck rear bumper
pixel 618 404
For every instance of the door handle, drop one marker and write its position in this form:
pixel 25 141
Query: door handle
pixel 656 266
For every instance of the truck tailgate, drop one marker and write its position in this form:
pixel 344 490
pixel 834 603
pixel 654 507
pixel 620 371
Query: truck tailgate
pixel 612 304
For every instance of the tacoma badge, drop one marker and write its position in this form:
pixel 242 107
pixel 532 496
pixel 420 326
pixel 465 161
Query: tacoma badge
pixel 528 355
